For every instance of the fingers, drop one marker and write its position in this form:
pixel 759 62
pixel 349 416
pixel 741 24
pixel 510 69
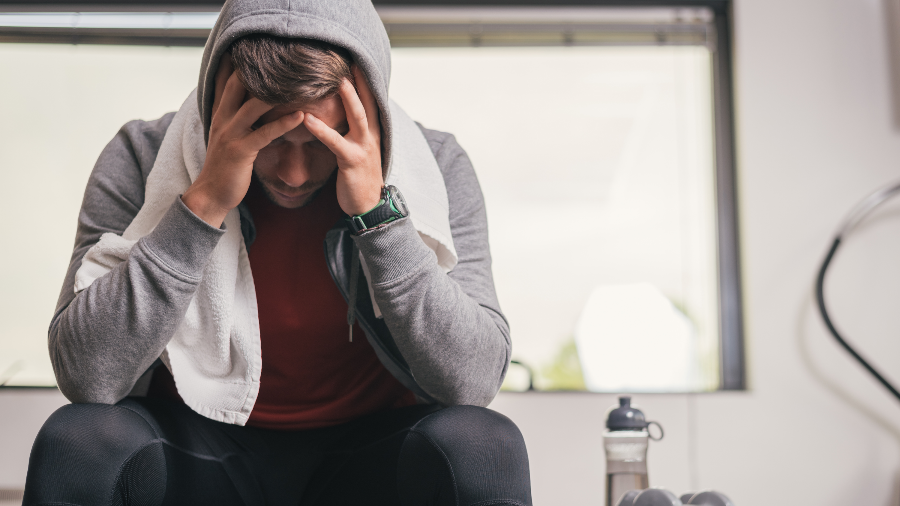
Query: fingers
pixel 267 133
pixel 356 113
pixel 249 113
pixel 329 137
pixel 222 74
pixel 368 100
pixel 232 97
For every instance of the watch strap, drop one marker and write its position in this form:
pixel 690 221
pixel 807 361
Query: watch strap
pixel 375 217
pixel 384 212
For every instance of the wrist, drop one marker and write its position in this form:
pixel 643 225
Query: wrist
pixel 371 208
pixel 364 206
pixel 203 206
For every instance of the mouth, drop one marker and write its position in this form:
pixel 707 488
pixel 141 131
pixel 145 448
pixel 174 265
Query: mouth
pixel 291 198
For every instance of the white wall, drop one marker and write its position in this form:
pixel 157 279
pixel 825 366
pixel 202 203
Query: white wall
pixel 816 132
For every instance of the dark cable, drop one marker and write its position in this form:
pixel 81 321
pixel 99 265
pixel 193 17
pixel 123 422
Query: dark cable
pixel 820 296
pixel 529 371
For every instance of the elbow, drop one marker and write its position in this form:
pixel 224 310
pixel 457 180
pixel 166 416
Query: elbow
pixel 82 390
pixel 471 398
pixel 467 392
pixel 479 382
pixel 80 387
pixel 76 395
pixel 78 382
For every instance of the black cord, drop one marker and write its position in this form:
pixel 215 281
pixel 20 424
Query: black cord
pixel 820 296
pixel 530 373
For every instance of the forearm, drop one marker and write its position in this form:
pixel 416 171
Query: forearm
pixel 457 347
pixel 112 331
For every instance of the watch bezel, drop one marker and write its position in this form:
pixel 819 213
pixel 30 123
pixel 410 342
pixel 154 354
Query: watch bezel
pixel 396 198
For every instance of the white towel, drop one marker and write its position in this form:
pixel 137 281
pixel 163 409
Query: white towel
pixel 215 354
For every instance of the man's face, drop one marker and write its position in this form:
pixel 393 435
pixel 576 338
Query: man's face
pixel 293 167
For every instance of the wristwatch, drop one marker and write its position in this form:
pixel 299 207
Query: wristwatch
pixel 390 208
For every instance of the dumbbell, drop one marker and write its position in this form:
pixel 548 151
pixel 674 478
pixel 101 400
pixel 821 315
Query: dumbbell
pixel 662 497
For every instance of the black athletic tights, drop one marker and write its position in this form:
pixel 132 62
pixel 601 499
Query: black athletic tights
pixel 155 452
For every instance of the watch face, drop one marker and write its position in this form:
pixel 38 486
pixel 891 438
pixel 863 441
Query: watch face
pixel 398 201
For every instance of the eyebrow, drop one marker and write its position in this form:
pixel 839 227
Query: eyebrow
pixel 342 129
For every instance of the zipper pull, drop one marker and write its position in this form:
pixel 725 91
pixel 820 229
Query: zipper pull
pixel 351 333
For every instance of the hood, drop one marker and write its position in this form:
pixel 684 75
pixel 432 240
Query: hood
pixel 351 24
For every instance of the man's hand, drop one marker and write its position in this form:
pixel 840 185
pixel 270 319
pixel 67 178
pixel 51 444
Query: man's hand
pixel 233 146
pixel 359 179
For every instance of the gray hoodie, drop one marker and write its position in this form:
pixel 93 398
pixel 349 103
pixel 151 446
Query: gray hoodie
pixel 442 335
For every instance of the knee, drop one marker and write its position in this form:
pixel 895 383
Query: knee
pixel 92 432
pixel 79 451
pixel 484 451
pixel 474 431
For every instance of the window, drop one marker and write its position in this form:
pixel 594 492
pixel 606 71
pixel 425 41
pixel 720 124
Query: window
pixel 594 135
pixel 601 138
pixel 54 123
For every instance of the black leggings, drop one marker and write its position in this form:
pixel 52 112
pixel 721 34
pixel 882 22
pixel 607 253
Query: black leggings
pixel 156 452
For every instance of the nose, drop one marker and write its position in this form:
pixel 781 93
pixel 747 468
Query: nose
pixel 293 165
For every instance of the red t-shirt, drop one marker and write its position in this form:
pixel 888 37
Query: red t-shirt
pixel 312 376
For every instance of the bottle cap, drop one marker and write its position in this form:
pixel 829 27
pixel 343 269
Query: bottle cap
pixel 625 417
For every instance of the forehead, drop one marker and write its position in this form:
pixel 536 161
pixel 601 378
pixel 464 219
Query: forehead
pixel 328 108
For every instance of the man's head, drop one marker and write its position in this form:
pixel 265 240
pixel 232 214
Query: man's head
pixel 294 74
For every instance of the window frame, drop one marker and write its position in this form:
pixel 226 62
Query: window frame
pixel 732 357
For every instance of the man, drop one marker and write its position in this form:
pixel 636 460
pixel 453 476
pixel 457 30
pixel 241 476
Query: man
pixel 265 396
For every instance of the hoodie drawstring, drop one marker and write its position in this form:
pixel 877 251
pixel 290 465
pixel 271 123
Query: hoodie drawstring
pixel 354 284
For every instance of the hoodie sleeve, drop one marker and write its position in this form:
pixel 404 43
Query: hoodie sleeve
pixel 105 337
pixel 448 327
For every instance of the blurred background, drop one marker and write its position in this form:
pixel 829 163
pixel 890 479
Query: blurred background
pixel 662 179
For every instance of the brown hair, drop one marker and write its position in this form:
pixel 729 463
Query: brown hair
pixel 279 70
